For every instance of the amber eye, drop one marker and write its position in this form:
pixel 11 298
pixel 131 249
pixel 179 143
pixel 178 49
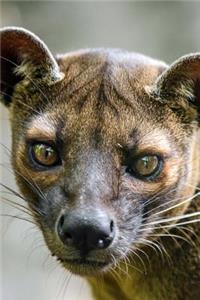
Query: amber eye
pixel 44 154
pixel 147 166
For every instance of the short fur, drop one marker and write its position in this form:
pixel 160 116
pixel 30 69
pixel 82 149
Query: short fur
pixel 101 107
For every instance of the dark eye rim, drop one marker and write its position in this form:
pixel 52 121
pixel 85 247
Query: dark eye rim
pixel 33 160
pixel 150 177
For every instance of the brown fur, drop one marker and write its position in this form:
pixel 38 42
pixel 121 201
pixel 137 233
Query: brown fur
pixel 108 106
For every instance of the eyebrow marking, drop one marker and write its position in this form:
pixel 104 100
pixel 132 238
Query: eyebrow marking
pixel 156 140
pixel 42 128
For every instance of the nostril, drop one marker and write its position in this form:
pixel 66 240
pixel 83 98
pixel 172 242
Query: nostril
pixel 64 231
pixel 106 238
pixel 111 226
pixel 104 242
pixel 62 220
pixel 67 239
pixel 68 236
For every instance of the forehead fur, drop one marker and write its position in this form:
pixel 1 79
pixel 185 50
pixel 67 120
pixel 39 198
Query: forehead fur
pixel 102 93
pixel 120 67
pixel 113 77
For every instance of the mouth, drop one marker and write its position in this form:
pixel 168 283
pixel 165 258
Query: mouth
pixel 83 266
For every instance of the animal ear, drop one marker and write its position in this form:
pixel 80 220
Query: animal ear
pixel 180 85
pixel 24 55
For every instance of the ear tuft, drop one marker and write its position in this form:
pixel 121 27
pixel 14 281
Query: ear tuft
pixel 23 54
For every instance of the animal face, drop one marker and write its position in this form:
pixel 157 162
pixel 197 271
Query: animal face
pixel 105 144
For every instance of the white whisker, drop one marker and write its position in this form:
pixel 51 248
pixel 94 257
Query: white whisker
pixel 172 207
pixel 171 225
pixel 194 214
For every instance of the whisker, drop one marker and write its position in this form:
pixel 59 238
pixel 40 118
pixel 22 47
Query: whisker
pixel 171 207
pixel 178 217
pixel 17 217
pixel 37 211
pixel 158 246
pixel 172 236
pixel 140 259
pixel 144 253
pixel 32 184
pixel 155 197
pixel 12 191
pixel 172 225
pixel 18 206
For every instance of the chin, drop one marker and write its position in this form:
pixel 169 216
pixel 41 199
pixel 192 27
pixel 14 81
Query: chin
pixel 86 268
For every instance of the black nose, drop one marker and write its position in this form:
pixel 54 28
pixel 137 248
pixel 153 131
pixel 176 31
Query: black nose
pixel 86 233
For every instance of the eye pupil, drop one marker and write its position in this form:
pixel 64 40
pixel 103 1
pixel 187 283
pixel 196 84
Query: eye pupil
pixel 48 152
pixel 145 166
pixel 44 155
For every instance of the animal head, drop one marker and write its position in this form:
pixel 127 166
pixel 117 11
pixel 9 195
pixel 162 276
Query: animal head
pixel 104 145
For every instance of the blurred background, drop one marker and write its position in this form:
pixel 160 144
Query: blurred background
pixel 162 29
